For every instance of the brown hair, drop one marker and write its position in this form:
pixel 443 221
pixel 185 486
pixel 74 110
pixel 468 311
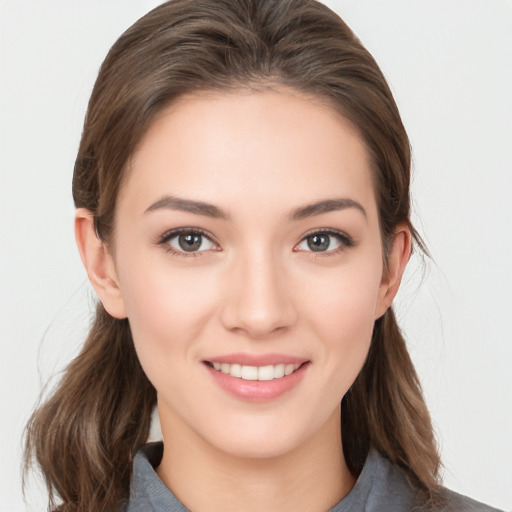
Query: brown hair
pixel 84 436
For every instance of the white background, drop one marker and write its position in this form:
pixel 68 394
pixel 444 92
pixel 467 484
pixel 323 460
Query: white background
pixel 449 63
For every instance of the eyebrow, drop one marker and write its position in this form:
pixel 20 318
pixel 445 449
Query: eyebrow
pixel 325 206
pixel 188 205
pixel 210 210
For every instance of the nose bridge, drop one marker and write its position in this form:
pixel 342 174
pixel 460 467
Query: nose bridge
pixel 258 302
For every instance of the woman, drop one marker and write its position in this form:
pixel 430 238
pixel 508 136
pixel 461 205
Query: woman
pixel 242 194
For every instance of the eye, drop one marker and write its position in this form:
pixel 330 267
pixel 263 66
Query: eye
pixel 324 242
pixel 187 241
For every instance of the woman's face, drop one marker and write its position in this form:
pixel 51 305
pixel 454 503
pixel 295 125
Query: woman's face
pixel 247 246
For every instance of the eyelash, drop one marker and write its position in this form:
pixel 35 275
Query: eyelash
pixel 345 241
pixel 169 235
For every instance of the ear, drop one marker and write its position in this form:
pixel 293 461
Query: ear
pixel 398 256
pixel 98 263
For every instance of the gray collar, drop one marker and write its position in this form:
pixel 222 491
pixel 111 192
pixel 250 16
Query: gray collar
pixel 380 487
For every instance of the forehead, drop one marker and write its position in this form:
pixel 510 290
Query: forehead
pixel 274 147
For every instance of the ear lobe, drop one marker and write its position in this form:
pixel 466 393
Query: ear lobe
pixel 98 263
pixel 392 276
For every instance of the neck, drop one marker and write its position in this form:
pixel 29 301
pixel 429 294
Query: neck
pixel 312 477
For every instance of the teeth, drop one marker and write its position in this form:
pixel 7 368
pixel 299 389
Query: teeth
pixel 289 368
pixel 248 373
pixel 279 371
pixel 265 372
pixel 269 372
pixel 235 370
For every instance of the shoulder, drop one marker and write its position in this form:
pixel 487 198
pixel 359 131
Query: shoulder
pixel 384 487
pixel 458 503
pixel 395 478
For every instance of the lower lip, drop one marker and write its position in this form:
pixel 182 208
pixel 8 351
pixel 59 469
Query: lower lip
pixel 257 390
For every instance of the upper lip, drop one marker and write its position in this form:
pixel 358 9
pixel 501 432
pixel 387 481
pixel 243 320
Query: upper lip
pixel 245 359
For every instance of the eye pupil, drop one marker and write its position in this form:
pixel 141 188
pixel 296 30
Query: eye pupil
pixel 190 242
pixel 318 243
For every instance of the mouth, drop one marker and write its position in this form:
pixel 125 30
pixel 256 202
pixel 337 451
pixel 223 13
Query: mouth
pixel 257 378
pixel 256 373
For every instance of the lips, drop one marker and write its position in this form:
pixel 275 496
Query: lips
pixel 257 377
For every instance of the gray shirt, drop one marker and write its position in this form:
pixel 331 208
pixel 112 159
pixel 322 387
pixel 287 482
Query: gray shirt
pixel 381 487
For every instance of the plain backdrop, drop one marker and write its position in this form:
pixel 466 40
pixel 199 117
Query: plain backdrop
pixel 449 63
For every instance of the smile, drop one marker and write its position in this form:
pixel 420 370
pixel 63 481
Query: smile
pixel 257 377
pixel 261 373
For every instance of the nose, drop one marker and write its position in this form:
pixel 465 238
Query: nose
pixel 259 300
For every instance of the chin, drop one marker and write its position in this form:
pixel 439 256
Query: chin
pixel 269 436
pixel 258 446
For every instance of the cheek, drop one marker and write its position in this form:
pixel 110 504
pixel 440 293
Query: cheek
pixel 342 315
pixel 347 300
pixel 166 307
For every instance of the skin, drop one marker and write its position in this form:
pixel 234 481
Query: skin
pixel 256 288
